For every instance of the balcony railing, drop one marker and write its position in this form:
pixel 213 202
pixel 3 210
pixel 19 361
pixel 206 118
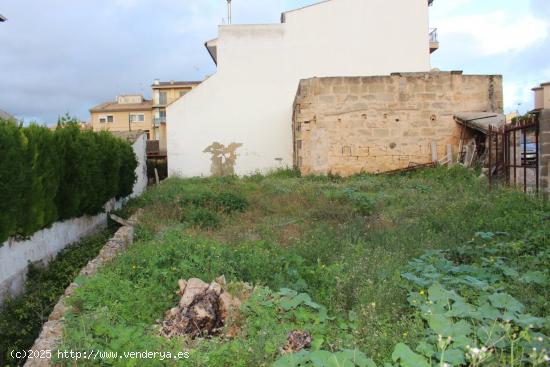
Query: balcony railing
pixel 159 120
pixel 433 35
pixel 152 147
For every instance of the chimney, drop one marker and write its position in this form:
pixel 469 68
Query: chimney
pixel 156 82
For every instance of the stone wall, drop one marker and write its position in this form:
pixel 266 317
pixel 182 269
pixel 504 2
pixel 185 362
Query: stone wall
pixel 544 151
pixel 52 331
pixel 348 125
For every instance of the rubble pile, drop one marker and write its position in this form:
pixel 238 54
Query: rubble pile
pixel 296 341
pixel 202 310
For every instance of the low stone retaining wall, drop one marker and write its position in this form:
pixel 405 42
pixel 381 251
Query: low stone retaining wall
pixel 52 331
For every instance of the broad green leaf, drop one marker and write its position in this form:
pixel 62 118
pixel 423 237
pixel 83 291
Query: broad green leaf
pixel 289 304
pixel 434 308
pixel 408 358
pixel 415 299
pixel 527 320
pixel 488 312
pixel 492 335
pixel 416 280
pixel 321 358
pixel 506 302
pixel 292 360
pixel 317 342
pixel 358 358
pixel 444 326
pixel 440 324
pixel 287 292
pixel 485 235
pixel 462 341
pixel 536 277
pixel 453 356
pixel 426 349
pixel 461 309
pixel 437 293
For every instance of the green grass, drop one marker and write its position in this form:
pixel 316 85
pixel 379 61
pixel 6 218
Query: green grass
pixel 344 242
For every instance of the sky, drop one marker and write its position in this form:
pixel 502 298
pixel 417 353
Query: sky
pixel 66 56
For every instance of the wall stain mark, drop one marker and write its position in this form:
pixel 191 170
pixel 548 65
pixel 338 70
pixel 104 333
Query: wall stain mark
pixel 223 158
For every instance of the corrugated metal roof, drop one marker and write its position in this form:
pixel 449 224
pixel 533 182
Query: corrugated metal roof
pixel 480 121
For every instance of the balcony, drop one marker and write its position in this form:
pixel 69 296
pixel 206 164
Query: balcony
pixel 159 120
pixel 434 42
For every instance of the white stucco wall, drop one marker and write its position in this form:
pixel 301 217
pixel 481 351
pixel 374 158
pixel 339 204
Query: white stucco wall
pixel 140 149
pixel 44 244
pixel 249 99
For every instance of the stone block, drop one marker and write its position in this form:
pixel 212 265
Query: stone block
pixel 340 89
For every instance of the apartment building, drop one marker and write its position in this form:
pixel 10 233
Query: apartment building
pixel 542 96
pixel 165 93
pixel 126 113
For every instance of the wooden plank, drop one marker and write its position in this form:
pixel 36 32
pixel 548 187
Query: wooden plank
pixel 450 154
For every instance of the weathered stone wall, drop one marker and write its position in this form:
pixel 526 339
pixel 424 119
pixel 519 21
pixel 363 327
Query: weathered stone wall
pixel 544 151
pixel 52 331
pixel 348 125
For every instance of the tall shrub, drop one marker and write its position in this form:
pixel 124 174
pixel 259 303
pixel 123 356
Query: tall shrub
pixel 41 169
pixel 12 177
pixel 69 195
pixel 48 176
pixel 127 173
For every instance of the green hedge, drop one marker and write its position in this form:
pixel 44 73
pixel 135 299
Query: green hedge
pixel 51 175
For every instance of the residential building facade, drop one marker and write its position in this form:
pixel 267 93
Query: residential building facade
pixel 127 113
pixel 542 96
pixel 165 93
pixel 246 106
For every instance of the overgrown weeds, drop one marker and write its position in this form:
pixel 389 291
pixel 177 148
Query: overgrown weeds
pixel 343 242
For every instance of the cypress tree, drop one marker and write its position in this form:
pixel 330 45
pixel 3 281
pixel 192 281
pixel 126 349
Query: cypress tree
pixel 42 171
pixel 12 177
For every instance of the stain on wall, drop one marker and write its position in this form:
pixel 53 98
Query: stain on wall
pixel 223 158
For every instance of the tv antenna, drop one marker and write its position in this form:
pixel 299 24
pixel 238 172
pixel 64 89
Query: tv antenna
pixel 228 11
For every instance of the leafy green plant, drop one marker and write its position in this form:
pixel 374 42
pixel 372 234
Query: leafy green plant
pixel 309 236
pixel 202 217
pixel 470 316
pixel 224 201
pixel 363 202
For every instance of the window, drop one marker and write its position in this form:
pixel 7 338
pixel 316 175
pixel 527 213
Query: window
pixel 106 119
pixel 162 114
pixel 163 98
pixel 137 117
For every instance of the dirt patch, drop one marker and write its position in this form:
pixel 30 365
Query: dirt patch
pixel 203 310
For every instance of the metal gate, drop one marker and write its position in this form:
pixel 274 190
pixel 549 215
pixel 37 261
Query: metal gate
pixel 514 154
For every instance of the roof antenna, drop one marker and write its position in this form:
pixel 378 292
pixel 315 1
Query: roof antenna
pixel 228 11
